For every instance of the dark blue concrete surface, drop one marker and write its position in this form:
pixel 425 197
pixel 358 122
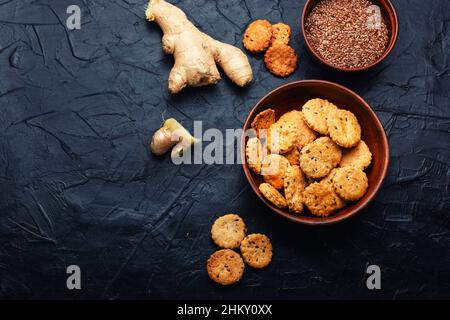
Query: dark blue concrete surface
pixel 78 184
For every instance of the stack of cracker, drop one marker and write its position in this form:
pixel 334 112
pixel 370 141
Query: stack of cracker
pixel 280 58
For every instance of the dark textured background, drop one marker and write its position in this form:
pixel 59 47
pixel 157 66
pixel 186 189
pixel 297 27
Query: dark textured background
pixel 79 186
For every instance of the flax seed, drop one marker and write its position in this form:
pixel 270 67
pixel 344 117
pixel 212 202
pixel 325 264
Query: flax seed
pixel 344 34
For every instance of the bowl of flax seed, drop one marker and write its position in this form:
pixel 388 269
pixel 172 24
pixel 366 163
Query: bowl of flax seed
pixel 350 35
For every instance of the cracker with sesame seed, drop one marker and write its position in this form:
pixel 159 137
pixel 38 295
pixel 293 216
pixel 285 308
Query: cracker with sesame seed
pixel 316 112
pixel 329 178
pixel 272 194
pixel 257 36
pixel 318 158
pixel 228 231
pixel 253 154
pixel 359 156
pixel 281 33
pixel 294 184
pixel 344 128
pixel 321 199
pixel 256 250
pixel 350 183
pixel 263 121
pixel 282 136
pixel 293 157
pixel 305 134
pixel 280 60
pixel 225 267
pixel 273 169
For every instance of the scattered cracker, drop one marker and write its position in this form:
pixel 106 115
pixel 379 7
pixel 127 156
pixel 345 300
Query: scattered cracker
pixel 316 113
pixel 344 128
pixel 359 156
pixel 293 157
pixel 294 184
pixel 318 158
pixel 257 36
pixel 253 154
pixel 273 170
pixel 350 183
pixel 281 33
pixel 282 136
pixel 263 121
pixel 272 194
pixel 305 134
pixel 321 199
pixel 281 60
pixel 256 250
pixel 225 267
pixel 228 231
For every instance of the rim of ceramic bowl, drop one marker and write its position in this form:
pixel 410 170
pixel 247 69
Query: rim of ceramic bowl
pixel 335 218
pixel 393 21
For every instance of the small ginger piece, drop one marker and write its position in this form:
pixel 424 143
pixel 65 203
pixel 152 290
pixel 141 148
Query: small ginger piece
pixel 195 53
pixel 171 134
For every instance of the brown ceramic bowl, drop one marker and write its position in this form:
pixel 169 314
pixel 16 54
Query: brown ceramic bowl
pixel 387 10
pixel 292 96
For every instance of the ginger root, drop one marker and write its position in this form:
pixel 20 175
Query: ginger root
pixel 172 133
pixel 195 53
